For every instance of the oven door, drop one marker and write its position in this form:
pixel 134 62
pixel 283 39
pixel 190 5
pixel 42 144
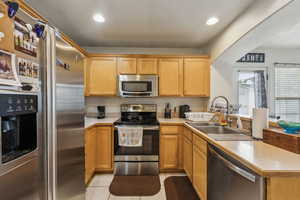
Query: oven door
pixel 138 86
pixel 149 151
pixel 138 161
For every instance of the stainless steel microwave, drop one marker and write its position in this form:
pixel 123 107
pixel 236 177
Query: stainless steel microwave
pixel 138 85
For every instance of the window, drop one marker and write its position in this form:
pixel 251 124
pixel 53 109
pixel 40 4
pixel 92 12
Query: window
pixel 251 90
pixel 287 91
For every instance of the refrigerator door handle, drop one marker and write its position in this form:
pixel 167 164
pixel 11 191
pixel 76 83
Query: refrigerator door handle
pixel 249 176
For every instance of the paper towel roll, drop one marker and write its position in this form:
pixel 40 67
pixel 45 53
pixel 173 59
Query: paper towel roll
pixel 259 122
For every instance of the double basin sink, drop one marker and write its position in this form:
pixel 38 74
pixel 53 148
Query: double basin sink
pixel 220 133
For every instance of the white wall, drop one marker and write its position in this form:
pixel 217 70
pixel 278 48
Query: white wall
pixel 113 103
pixel 259 11
pixel 131 50
pixel 222 75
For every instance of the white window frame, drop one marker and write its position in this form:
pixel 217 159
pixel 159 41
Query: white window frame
pixel 237 69
pixel 274 97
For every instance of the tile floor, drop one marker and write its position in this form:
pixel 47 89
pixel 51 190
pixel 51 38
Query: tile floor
pixel 98 188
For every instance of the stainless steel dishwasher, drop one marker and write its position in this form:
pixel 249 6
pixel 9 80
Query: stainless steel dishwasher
pixel 228 179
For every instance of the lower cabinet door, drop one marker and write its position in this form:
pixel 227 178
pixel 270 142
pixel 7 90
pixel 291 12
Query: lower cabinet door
pixel 169 151
pixel 200 173
pixel 104 148
pixel 90 151
pixel 188 157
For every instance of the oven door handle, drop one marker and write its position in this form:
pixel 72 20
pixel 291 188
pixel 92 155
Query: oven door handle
pixel 151 128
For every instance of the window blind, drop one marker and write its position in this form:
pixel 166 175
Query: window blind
pixel 287 91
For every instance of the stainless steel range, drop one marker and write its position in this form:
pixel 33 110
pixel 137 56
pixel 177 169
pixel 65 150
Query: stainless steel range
pixel 138 160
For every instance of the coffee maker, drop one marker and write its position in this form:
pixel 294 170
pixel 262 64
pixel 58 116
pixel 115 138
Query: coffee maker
pixel 183 109
pixel 101 112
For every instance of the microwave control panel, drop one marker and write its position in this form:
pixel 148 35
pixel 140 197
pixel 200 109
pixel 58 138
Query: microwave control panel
pixel 17 104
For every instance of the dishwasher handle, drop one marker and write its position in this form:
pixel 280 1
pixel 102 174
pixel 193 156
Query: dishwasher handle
pixel 249 176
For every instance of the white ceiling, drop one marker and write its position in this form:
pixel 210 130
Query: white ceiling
pixel 140 23
pixel 287 39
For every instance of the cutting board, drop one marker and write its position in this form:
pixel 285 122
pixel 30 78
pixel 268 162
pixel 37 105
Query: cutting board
pixel 277 137
pixel 6 27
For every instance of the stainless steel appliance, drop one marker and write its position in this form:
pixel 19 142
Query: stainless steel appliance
pixel 101 112
pixel 183 109
pixel 64 106
pixel 138 160
pixel 19 146
pixel 228 179
pixel 221 133
pixel 21 128
pixel 138 85
pixel 48 163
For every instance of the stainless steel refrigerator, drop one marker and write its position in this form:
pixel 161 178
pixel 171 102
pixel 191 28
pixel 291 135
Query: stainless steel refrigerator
pixel 64 119
pixel 54 169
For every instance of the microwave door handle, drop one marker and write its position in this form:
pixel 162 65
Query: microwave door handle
pixel 249 176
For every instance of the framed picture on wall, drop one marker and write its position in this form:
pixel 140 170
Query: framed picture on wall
pixel 8 72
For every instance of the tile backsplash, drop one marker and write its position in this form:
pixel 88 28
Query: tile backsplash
pixel 112 104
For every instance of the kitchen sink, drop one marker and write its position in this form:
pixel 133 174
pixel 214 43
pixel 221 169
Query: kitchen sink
pixel 200 124
pixel 220 133
pixel 218 130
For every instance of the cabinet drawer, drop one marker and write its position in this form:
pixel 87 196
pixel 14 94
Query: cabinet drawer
pixel 188 134
pixel 200 143
pixel 169 129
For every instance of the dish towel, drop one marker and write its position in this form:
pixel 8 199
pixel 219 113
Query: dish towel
pixel 130 136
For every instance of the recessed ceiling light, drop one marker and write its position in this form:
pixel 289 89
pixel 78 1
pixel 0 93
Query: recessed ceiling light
pixel 99 18
pixel 212 21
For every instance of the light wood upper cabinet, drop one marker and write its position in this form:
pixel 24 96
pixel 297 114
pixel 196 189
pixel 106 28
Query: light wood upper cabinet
pixel 127 66
pixel 170 76
pixel 104 148
pixel 6 27
pixel 147 65
pixel 196 77
pixel 101 76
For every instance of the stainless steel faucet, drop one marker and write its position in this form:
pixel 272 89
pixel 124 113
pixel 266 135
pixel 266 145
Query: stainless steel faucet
pixel 212 107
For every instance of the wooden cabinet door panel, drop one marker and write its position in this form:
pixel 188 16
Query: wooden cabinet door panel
pixel 200 173
pixel 104 148
pixel 7 28
pixel 102 76
pixel 170 76
pixel 127 66
pixel 169 151
pixel 188 157
pixel 147 66
pixel 90 153
pixel 196 77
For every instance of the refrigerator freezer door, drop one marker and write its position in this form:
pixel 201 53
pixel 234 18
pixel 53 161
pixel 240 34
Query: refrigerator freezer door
pixel 65 120
pixel 69 122
pixel 21 183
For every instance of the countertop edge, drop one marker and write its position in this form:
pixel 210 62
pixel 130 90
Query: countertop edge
pixel 255 168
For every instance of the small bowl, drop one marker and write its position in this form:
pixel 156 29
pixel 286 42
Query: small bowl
pixel 289 127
